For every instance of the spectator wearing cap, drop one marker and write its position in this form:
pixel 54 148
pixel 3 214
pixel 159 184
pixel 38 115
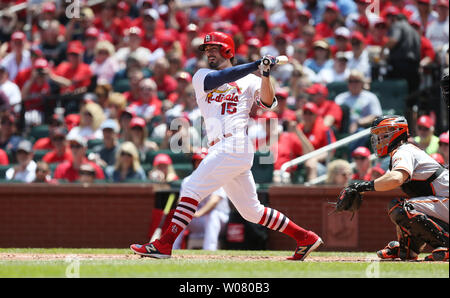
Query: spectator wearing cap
pixel 362 164
pixel 443 146
pixel 314 134
pixel 425 138
pixel 404 52
pixel 378 36
pixel 362 25
pixel 139 137
pixel 288 22
pixel 106 20
pixel 151 27
pixel 321 58
pixel 363 105
pixel 437 31
pixel 122 19
pixel 104 65
pixel 10 90
pixel 61 151
pixel 132 45
pixel 25 169
pixel 91 117
pixel 35 91
pixel 284 113
pixel 9 139
pixel 73 75
pixel 327 109
pixel 253 49
pixel 106 152
pixel 19 58
pixel 241 13
pixel 148 104
pixel 127 166
pixel 338 73
pixel 342 41
pixel 316 9
pixel 163 171
pixel 70 170
pixel 329 19
pixel 361 10
pixel 359 58
pixel 183 78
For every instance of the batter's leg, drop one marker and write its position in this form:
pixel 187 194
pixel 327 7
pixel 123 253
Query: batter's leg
pixel 241 191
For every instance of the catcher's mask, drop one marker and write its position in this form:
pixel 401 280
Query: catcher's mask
pixel 224 40
pixel 387 132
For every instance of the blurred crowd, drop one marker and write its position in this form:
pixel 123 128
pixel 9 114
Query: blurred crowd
pixel 107 80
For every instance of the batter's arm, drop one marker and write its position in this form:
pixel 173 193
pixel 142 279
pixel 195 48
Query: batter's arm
pixel 216 79
pixel 267 91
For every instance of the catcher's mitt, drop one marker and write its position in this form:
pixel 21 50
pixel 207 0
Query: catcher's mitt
pixel 349 200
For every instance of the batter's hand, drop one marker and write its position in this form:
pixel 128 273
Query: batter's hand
pixel 267 62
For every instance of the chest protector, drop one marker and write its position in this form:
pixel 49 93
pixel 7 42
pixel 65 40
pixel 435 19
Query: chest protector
pixel 420 188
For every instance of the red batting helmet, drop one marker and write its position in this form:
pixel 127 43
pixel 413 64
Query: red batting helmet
pixel 219 38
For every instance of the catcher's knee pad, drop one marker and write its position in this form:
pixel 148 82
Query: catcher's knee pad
pixel 418 225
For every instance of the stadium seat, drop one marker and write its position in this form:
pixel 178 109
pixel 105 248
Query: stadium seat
pixel 183 169
pixel 39 154
pixel 336 88
pixel 392 95
pixel 3 170
pixel 177 158
pixel 40 131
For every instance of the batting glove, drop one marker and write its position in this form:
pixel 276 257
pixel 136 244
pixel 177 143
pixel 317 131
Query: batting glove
pixel 266 64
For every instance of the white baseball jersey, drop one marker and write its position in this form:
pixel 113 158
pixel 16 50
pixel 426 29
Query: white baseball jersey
pixel 226 109
pixel 420 166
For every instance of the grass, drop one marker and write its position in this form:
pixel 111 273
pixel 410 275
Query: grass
pixel 211 268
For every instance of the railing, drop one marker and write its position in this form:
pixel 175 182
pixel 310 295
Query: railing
pixel 301 159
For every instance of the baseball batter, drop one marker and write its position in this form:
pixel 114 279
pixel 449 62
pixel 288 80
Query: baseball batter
pixel 225 95
pixel 424 216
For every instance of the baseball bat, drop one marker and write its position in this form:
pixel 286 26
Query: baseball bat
pixel 278 60
pixel 157 232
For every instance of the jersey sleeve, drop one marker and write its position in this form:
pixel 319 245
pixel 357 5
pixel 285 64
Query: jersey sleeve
pixel 198 81
pixel 403 160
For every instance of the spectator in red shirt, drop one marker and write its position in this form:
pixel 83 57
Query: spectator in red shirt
pixel 4 161
pixel 331 15
pixel 214 12
pixel 164 82
pixel 427 53
pixel 378 36
pixel 327 109
pixel 361 158
pixel 318 135
pixel 69 170
pixel 73 75
pixel 61 152
pixel 283 112
pixel 148 104
pixel 342 41
pixel 241 13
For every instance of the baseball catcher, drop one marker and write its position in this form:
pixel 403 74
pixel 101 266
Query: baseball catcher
pixel 422 217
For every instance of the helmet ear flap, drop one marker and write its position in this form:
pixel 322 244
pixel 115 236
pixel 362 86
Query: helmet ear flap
pixel 226 52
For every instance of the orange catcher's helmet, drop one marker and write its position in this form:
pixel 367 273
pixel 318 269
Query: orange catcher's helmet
pixel 387 133
pixel 222 39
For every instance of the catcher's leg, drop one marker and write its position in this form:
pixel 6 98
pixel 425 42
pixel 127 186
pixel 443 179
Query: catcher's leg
pixel 415 229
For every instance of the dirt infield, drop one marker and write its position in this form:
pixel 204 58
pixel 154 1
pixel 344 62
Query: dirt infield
pixel 239 258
